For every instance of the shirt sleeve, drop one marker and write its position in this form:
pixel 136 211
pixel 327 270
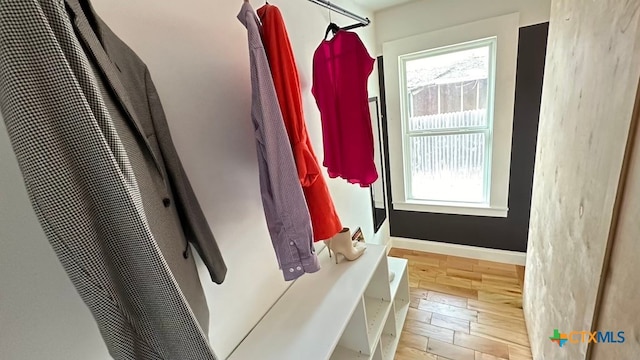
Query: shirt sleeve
pixel 286 209
pixel 308 168
pixel 364 57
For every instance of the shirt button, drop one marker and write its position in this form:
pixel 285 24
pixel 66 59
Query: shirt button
pixel 291 243
pixel 299 268
pixel 291 270
pixel 166 202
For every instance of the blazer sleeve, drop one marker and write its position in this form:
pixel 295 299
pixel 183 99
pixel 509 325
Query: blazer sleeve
pixel 193 221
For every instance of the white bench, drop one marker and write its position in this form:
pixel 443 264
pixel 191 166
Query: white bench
pixel 345 311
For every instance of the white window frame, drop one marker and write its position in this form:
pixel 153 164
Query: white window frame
pixel 487 130
pixel 505 31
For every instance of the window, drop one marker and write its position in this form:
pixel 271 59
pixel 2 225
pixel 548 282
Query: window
pixel 447 122
pixel 450 120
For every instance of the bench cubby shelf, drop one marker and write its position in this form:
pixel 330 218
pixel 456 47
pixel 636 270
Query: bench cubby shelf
pixel 345 311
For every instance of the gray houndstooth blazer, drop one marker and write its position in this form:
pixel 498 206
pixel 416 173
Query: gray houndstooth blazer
pixel 130 78
pixel 81 183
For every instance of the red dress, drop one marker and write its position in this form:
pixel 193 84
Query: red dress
pixel 324 218
pixel 341 67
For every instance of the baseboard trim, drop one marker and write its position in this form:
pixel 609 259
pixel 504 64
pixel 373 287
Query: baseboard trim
pixel 501 256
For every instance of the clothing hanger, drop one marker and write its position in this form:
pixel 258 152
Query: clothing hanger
pixel 332 27
pixel 335 28
pixel 354 26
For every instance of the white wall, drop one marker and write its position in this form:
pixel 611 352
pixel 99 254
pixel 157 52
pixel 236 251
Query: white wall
pixel 197 53
pixel 428 15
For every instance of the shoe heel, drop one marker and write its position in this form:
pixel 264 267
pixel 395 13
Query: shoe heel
pixel 328 243
pixel 341 244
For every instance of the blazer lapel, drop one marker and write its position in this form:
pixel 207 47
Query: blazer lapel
pixel 109 69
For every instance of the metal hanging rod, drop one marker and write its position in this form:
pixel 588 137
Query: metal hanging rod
pixel 327 4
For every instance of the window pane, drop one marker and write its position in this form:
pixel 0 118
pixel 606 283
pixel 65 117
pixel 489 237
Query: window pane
pixel 449 121
pixel 432 99
pixel 450 98
pixel 444 86
pixel 470 95
pixel 452 67
pixel 448 167
pixel 482 102
pixel 425 101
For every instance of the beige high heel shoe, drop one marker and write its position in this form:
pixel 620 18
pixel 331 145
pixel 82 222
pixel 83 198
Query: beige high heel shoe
pixel 341 244
pixel 354 242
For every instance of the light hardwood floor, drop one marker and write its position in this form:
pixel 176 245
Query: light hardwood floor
pixel 462 309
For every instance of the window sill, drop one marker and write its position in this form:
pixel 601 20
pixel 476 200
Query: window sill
pixel 452 208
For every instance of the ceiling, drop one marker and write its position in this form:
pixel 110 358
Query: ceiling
pixel 376 5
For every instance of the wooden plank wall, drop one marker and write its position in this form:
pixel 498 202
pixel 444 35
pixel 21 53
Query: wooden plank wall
pixel 620 302
pixel 591 77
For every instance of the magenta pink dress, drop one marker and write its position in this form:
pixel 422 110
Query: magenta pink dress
pixel 341 68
